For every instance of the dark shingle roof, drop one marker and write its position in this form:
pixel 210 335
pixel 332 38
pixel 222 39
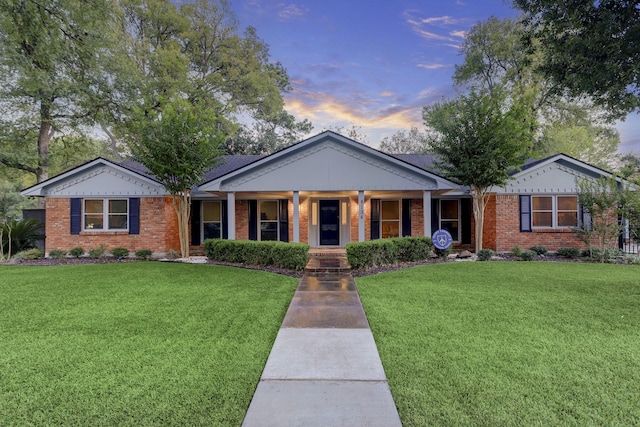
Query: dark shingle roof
pixel 423 161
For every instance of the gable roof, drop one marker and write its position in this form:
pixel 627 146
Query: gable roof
pixel 328 162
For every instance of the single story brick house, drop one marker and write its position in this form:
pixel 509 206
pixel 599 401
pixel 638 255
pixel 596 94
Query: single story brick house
pixel 326 191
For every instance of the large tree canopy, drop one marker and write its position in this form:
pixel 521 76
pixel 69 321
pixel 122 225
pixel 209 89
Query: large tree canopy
pixel 590 47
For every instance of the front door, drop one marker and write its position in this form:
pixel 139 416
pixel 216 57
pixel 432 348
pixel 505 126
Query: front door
pixel 329 222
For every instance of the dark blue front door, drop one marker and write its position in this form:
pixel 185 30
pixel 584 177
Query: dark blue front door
pixel 329 222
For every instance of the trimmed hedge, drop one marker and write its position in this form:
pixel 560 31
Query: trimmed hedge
pixel 293 256
pixel 388 251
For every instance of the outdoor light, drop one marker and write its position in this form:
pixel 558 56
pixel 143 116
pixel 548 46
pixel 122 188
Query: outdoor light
pixel 344 213
pixel 314 213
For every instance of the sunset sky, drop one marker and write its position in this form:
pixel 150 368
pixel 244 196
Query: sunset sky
pixel 373 64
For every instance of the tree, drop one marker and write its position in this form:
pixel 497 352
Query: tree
pixel 590 47
pixel 412 142
pixel 606 200
pixel 53 78
pixel 178 146
pixel 630 167
pixel 479 140
pixel 498 57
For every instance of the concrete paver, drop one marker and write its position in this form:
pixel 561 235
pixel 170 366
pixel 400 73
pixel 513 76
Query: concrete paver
pixel 324 368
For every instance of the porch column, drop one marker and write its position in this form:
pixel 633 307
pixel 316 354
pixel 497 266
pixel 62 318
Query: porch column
pixel 426 210
pixel 231 215
pixel 296 217
pixel 360 216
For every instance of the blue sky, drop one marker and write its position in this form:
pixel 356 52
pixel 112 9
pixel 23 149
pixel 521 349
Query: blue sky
pixel 373 64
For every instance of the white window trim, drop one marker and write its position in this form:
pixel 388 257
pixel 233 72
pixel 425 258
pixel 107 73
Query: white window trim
pixel 399 220
pixel 277 220
pixel 459 219
pixel 105 215
pixel 203 222
pixel 554 212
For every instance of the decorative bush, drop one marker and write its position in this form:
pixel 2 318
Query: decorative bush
pixel 568 252
pixel 540 250
pixel 528 255
pixel 34 253
pixel 120 252
pixel 388 251
pixel 516 251
pixel 144 254
pixel 57 253
pixel 23 233
pixel 293 256
pixel 76 252
pixel 98 252
pixel 485 254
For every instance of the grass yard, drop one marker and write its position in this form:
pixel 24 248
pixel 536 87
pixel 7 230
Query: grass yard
pixel 135 344
pixel 509 343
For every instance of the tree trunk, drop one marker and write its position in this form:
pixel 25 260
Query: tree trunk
pixel 182 207
pixel 479 196
pixel 44 138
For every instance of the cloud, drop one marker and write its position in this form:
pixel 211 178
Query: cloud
pixel 387 94
pixel 461 34
pixel 433 66
pixel 446 20
pixel 436 29
pixel 291 11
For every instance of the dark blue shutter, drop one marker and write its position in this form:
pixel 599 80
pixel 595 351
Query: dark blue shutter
pixel 76 215
pixel 253 220
pixel 195 222
pixel 585 219
pixel 134 215
pixel 525 213
pixel 406 217
pixel 375 219
pixel 435 215
pixel 284 220
pixel 465 219
pixel 225 219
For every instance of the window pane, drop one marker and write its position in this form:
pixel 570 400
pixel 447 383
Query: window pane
pixel 269 210
pixel 93 206
pixel 542 203
pixel 390 209
pixel 117 222
pixel 93 222
pixel 212 230
pixel 390 229
pixel 449 209
pixel 211 211
pixel 269 231
pixel 452 228
pixel 542 219
pixel 567 219
pixel 118 206
pixel 567 203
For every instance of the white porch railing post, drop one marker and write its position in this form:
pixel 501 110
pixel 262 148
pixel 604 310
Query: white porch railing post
pixel 231 215
pixel 426 209
pixel 296 217
pixel 361 216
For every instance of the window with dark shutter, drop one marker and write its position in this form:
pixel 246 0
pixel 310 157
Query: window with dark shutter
pixel 525 213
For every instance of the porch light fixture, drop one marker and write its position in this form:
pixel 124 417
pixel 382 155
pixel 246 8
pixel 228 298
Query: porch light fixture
pixel 344 213
pixel 314 213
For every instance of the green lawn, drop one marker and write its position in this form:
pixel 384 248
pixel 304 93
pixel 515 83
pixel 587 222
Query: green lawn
pixel 509 343
pixel 136 343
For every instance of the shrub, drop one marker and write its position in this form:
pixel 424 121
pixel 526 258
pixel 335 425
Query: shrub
pixel 144 254
pixel 516 251
pixel 293 256
pixel 57 253
pixel 528 255
pixel 442 253
pixel 411 249
pixel 485 254
pixel 98 252
pixel 23 234
pixel 388 251
pixel 33 253
pixel 120 252
pixel 76 252
pixel 568 252
pixel 540 250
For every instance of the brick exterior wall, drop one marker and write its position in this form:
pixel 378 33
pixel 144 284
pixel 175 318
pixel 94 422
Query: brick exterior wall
pixel 158 228
pixel 508 234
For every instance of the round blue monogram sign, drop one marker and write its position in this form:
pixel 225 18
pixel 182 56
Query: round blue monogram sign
pixel 441 239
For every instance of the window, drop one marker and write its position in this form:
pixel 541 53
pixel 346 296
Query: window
pixel 211 220
pixel 268 219
pixel 390 221
pixel 554 211
pixel 450 218
pixel 105 214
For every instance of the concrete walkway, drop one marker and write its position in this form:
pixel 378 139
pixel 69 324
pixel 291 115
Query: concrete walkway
pixel 324 368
